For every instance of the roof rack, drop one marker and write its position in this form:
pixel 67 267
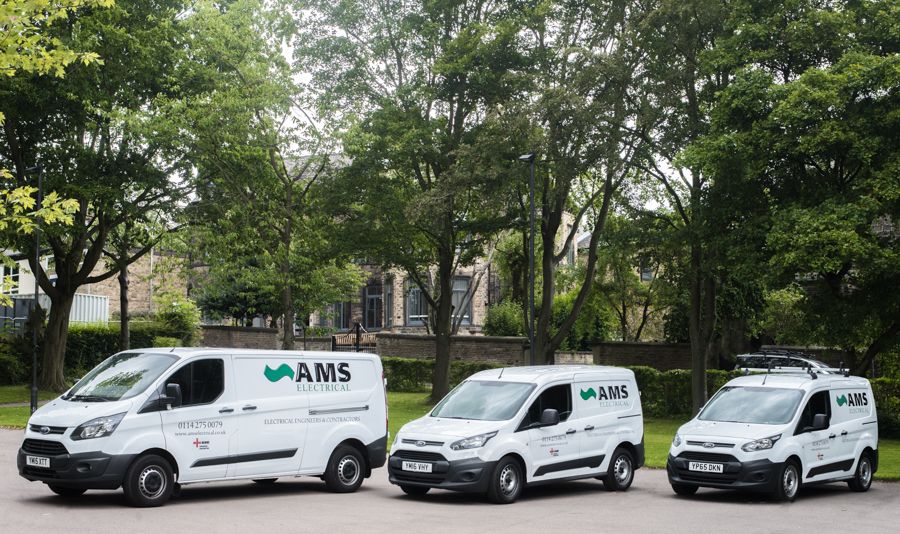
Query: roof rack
pixel 796 370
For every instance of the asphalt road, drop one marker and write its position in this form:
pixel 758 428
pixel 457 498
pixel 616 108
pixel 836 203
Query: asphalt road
pixel 303 505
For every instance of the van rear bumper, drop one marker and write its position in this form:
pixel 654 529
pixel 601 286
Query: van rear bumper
pixel 469 475
pixel 87 470
pixel 758 475
pixel 377 452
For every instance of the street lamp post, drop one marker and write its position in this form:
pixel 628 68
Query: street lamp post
pixel 530 158
pixel 37 267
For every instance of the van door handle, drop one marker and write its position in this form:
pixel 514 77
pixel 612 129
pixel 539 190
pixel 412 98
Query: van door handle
pixel 570 431
pixel 832 436
pixel 589 427
pixel 226 410
pixel 250 407
pixel 844 433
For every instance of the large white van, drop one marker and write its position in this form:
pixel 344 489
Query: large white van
pixel 777 432
pixel 152 420
pixel 503 429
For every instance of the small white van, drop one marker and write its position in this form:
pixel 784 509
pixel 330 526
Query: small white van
pixel 776 432
pixel 503 429
pixel 151 420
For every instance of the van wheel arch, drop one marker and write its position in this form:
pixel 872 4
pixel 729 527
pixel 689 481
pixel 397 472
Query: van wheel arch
pixel 159 452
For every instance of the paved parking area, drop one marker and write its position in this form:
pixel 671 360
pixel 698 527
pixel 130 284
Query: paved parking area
pixel 303 505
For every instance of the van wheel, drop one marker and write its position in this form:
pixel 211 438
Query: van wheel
pixel 63 491
pixel 684 489
pixel 862 479
pixel 620 473
pixel 788 482
pixel 506 482
pixel 345 470
pixel 149 481
pixel 265 481
pixel 414 491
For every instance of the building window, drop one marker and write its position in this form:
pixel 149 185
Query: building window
pixel 416 306
pixel 460 288
pixel 337 316
pixel 373 312
pixel 389 303
pixel 9 283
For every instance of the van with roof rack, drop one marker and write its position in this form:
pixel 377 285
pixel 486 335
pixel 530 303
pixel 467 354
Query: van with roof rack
pixel 777 432
pixel 503 429
pixel 152 420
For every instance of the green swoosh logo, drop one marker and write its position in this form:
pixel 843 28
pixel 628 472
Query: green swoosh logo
pixel 842 400
pixel 274 375
pixel 586 394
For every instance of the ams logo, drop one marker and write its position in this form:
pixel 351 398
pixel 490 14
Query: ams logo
pixel 606 393
pixel 321 377
pixel 853 399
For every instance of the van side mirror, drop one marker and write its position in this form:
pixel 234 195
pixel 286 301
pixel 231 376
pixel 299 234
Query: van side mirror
pixel 173 396
pixel 820 422
pixel 549 417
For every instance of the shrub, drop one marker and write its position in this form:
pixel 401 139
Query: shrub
pixel 13 369
pixel 504 319
pixel 163 341
pixel 414 375
pixel 180 314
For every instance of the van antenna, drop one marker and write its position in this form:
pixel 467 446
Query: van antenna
pixel 501 373
pixel 768 370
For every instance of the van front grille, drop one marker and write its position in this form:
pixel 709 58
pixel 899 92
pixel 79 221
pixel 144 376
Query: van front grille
pixel 698 456
pixel 40 446
pixel 51 429
pixel 420 456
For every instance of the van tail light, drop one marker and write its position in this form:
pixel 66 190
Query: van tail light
pixel 384 382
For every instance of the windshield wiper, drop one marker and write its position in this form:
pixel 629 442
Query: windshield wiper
pixel 90 398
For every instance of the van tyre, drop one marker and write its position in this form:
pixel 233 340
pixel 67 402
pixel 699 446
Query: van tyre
pixel 788 484
pixel 63 491
pixel 149 481
pixel 414 491
pixel 345 471
pixel 862 478
pixel 620 473
pixel 506 481
pixel 685 490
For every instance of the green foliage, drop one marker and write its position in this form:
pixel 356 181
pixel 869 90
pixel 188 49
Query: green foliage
pixel 163 341
pixel 504 319
pixel 179 314
pixel 887 403
pixel 88 345
pixel 13 368
pixel 413 374
pixel 596 322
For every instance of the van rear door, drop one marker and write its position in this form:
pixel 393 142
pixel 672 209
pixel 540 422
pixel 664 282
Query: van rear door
pixel 272 416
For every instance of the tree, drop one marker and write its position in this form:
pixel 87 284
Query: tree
pixel 429 155
pixel 103 141
pixel 810 123
pixel 583 118
pixel 261 160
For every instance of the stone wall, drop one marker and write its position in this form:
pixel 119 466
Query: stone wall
pixel 239 337
pixel 662 356
pixel 506 350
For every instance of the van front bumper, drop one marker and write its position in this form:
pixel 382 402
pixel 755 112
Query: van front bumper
pixel 758 475
pixel 86 470
pixel 469 475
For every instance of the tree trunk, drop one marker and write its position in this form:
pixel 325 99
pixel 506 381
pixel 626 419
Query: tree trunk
pixel 124 332
pixel 443 325
pixel 698 345
pixel 287 297
pixel 864 364
pixel 52 376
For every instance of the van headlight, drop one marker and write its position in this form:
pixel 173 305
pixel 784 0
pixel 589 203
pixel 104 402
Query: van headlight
pixel 472 443
pixel 676 441
pixel 761 444
pixel 98 428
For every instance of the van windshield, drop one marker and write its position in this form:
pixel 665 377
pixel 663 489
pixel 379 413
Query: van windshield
pixel 767 406
pixel 121 376
pixel 483 400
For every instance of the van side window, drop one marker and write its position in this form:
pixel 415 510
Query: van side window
pixel 818 403
pixel 201 382
pixel 558 398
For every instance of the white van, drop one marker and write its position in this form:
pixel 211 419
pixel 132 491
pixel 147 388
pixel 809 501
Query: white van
pixel 151 420
pixel 777 432
pixel 503 429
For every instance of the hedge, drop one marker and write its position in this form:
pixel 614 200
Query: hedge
pixel 90 344
pixel 663 393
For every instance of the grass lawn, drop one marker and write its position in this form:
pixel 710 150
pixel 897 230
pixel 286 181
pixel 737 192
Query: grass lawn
pixel 404 407
pixel 22 394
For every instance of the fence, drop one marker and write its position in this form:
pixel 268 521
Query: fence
pixel 355 340
pixel 85 309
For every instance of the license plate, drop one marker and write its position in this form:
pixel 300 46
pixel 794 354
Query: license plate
pixel 418 467
pixel 706 467
pixel 37 461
